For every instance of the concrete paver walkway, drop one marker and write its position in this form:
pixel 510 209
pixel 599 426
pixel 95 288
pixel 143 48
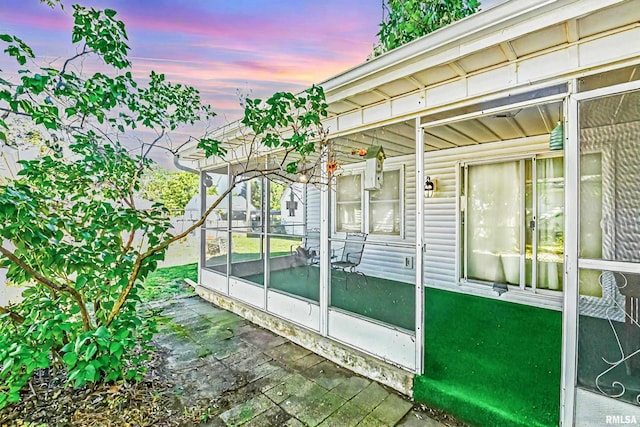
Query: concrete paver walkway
pixel 249 376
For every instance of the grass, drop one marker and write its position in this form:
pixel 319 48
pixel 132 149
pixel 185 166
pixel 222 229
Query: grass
pixel 165 283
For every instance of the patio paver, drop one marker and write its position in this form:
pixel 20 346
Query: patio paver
pixel 249 376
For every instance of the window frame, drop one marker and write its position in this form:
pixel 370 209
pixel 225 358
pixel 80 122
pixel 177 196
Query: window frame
pixel 462 220
pixel 365 199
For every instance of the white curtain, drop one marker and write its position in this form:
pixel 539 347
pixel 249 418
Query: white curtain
pixel 493 229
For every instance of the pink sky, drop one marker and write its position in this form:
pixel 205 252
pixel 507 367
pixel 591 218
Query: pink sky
pixel 217 46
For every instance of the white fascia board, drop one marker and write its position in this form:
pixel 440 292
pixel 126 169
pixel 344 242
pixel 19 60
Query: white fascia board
pixel 501 23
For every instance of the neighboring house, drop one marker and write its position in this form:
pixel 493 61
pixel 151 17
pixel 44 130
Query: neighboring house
pixel 508 294
pixel 292 210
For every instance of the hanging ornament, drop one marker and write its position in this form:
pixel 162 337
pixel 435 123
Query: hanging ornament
pixel 332 167
pixel 556 140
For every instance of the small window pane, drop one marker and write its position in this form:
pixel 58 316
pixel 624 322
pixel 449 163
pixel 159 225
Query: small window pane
pixel 348 188
pixel 390 187
pixel 384 218
pixel 348 203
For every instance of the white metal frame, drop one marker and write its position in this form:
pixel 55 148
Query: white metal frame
pixel 572 261
pixel 420 249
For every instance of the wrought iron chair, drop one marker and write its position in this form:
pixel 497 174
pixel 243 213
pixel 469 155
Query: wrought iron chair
pixel 309 253
pixel 351 256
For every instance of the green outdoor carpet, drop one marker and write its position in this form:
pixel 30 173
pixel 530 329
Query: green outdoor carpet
pixel 384 300
pixel 491 363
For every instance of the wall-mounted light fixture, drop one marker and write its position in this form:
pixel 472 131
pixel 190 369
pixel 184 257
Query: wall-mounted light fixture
pixel 429 187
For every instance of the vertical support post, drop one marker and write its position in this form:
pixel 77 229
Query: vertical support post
pixel 420 246
pixel 536 226
pixel 523 214
pixel 202 259
pixel 571 218
pixel 324 246
pixel 265 233
pixel 229 228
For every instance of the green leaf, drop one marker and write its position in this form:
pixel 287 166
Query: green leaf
pixel 70 359
pixel 115 347
pixel 90 351
pixel 102 332
pixel 6 37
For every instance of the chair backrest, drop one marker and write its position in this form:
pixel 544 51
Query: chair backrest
pixel 313 239
pixel 353 247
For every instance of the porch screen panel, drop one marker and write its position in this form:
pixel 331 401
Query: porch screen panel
pixel 247 238
pixel 293 261
pixel 609 230
pixel 216 233
pixel 493 202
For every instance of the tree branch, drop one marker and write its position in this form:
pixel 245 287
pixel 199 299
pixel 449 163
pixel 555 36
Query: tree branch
pixel 13 315
pixel 51 285
pixel 122 298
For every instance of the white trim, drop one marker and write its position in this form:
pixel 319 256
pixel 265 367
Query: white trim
pixel 600 264
pixel 419 250
pixel 213 280
pixel 570 306
pixel 607 90
pixel 325 257
pixel 392 345
pixel 299 311
pixel 246 292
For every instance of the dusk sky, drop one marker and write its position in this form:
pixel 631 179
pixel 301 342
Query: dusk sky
pixel 218 46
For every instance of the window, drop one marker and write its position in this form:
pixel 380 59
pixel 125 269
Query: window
pixel 507 223
pixel 382 208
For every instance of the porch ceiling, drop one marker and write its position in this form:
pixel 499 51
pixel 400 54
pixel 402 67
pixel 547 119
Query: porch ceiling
pixel 397 139
pixel 513 124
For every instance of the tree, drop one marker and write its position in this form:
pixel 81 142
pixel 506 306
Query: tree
pixel 408 20
pixel 172 189
pixel 69 220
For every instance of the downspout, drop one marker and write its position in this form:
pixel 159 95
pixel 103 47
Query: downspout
pixel 176 163
pixel 203 207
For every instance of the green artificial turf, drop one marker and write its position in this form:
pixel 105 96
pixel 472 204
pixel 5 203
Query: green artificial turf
pixel 384 300
pixel 491 363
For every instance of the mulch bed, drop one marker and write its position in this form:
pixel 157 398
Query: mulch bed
pixel 150 402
